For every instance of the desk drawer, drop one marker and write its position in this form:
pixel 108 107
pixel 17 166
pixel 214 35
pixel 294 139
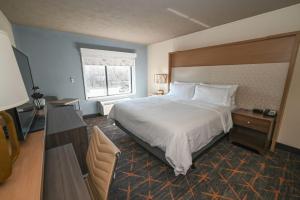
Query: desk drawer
pixel 249 122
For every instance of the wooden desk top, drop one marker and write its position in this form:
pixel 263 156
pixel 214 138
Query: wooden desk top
pixel 62 119
pixel 27 176
pixel 251 114
pixel 67 101
pixel 63 178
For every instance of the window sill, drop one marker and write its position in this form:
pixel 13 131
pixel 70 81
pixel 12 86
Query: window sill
pixel 112 98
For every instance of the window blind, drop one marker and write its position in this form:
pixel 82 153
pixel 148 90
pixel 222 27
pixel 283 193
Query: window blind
pixel 107 58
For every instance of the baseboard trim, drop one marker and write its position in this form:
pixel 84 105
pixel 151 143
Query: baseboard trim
pixel 287 148
pixel 91 115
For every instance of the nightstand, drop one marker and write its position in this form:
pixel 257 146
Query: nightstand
pixel 252 130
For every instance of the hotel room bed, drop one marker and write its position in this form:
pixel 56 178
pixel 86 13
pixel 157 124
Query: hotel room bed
pixel 180 129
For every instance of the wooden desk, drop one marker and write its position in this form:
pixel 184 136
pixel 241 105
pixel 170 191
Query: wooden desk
pixel 65 126
pixel 65 102
pixel 63 179
pixel 27 176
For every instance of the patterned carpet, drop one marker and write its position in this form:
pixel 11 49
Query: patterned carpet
pixel 226 172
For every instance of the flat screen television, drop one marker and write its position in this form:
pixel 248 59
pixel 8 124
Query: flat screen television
pixel 24 115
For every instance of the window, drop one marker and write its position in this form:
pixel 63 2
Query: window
pixel 108 73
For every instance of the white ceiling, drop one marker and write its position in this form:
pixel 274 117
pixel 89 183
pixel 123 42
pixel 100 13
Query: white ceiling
pixel 140 21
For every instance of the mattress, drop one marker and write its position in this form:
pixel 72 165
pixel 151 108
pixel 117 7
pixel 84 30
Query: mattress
pixel 177 127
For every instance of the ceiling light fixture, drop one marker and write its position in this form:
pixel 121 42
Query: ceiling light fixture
pixel 180 14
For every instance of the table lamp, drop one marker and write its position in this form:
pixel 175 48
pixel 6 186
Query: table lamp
pixel 160 79
pixel 12 94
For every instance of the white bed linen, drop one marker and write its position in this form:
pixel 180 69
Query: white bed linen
pixel 178 127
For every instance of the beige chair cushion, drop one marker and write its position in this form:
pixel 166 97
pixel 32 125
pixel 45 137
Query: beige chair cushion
pixel 101 160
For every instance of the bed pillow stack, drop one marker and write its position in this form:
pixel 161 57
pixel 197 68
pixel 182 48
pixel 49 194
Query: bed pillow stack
pixel 231 91
pixel 223 95
pixel 182 90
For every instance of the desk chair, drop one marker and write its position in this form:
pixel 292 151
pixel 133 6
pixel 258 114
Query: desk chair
pixel 101 161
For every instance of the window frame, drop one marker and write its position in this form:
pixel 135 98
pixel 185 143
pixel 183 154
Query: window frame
pixel 114 96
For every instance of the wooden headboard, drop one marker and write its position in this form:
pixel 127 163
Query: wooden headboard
pixel 281 48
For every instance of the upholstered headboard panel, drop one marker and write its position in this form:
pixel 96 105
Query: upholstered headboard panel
pixel 262 67
pixel 260 85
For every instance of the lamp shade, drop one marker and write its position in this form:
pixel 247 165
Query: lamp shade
pixel 12 88
pixel 160 78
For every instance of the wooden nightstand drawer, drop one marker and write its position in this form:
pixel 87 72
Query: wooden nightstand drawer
pixel 251 130
pixel 247 137
pixel 253 123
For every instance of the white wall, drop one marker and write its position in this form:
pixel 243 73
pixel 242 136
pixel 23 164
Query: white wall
pixel 271 23
pixel 5 25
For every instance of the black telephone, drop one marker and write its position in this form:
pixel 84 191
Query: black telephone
pixel 270 113
pixel 266 112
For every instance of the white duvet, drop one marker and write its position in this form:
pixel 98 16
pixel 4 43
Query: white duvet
pixel 178 127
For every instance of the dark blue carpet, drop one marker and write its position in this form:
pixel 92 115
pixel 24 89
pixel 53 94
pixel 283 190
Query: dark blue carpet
pixel 225 172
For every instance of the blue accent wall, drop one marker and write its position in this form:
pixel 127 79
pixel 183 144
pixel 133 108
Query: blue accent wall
pixel 55 56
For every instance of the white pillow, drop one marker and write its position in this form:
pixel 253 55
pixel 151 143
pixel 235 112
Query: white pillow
pixel 232 91
pixel 182 91
pixel 213 95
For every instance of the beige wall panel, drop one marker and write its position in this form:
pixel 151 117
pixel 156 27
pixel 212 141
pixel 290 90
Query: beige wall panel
pixel 260 85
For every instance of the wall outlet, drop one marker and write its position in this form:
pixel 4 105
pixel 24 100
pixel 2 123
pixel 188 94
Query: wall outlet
pixel 72 79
